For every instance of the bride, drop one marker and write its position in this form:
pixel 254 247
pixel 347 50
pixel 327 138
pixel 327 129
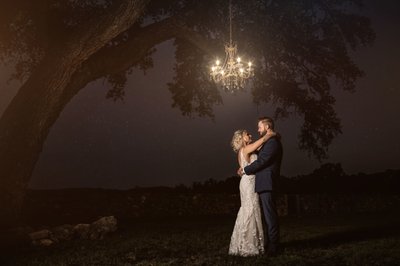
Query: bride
pixel 247 238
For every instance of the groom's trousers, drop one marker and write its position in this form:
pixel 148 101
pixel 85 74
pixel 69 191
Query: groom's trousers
pixel 270 213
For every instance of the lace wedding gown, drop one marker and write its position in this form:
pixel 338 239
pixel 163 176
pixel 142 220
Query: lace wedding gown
pixel 247 237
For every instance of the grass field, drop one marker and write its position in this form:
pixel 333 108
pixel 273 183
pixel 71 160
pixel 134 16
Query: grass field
pixel 346 240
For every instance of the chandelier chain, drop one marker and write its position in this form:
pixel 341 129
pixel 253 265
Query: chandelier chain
pixel 230 22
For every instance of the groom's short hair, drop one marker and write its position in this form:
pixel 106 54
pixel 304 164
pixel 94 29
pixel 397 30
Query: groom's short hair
pixel 267 121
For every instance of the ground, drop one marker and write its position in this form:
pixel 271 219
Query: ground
pixel 354 239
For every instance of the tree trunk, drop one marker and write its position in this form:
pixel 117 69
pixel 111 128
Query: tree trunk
pixel 27 120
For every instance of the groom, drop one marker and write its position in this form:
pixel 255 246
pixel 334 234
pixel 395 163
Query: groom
pixel 267 171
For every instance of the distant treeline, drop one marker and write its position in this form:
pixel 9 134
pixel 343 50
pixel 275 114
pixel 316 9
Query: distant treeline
pixel 326 190
pixel 328 178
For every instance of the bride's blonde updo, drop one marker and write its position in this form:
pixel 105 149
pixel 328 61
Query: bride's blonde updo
pixel 237 140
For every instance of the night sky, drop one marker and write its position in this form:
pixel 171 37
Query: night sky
pixel 143 141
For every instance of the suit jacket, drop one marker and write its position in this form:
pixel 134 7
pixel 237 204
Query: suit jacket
pixel 267 166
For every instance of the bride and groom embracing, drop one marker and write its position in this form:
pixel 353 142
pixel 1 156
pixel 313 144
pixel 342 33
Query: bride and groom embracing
pixel 260 163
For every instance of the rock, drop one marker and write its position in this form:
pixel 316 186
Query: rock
pixel 82 230
pixel 46 242
pixel 40 234
pixel 96 230
pixel 103 226
pixel 43 242
pixel 63 232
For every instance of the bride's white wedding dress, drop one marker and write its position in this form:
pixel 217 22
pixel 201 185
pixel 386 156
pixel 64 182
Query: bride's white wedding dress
pixel 247 237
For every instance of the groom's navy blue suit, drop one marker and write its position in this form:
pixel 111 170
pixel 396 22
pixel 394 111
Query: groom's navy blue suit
pixel 267 171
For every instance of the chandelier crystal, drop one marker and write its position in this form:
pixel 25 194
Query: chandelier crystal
pixel 232 73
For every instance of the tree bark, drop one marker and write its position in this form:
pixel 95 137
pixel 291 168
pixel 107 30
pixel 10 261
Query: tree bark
pixel 26 122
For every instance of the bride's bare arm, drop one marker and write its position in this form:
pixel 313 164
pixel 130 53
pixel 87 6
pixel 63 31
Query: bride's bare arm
pixel 256 144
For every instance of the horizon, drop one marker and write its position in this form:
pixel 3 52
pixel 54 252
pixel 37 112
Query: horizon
pixel 190 186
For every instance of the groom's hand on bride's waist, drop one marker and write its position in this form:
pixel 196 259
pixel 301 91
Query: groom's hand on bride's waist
pixel 240 171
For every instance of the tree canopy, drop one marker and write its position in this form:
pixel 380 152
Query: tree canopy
pixel 300 49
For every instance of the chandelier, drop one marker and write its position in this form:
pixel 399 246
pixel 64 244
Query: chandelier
pixel 232 73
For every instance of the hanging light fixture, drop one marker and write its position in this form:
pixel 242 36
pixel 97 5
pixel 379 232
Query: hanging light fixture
pixel 232 73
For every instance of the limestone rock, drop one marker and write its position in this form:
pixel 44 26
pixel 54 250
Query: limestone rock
pixel 40 234
pixel 43 242
pixel 103 226
pixel 82 230
pixel 63 232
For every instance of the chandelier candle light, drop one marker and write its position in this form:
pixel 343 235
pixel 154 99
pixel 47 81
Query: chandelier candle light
pixel 232 73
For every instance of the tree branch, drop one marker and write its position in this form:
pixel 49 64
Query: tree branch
pixel 119 58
